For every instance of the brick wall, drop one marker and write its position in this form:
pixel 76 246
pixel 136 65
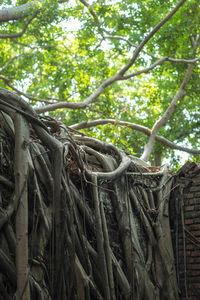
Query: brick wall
pixel 185 226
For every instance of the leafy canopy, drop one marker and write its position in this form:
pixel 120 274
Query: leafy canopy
pixel 69 48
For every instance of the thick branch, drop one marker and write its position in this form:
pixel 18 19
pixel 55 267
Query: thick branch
pixel 83 104
pixel 180 94
pixel 108 82
pixel 137 127
pixel 119 76
pixel 21 11
pixel 173 104
pixel 99 91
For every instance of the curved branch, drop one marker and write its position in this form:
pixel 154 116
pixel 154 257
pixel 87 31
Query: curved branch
pixel 158 124
pixel 16 35
pixel 108 82
pixel 118 37
pixel 83 104
pixel 184 61
pixel 16 103
pixel 99 91
pixel 22 11
pixel 94 123
pixel 5 79
pixel 160 62
pixel 136 127
pixel 93 15
pixel 179 95
pixel 19 12
pixel 28 116
pixel 28 96
pixel 111 175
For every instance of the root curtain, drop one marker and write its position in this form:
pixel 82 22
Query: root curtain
pixel 79 218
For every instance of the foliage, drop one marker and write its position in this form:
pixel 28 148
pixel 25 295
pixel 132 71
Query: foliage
pixel 66 55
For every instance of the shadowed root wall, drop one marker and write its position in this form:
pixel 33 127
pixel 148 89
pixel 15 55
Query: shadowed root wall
pixel 79 219
pixel 185 223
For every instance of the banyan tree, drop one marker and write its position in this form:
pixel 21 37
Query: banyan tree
pixel 79 218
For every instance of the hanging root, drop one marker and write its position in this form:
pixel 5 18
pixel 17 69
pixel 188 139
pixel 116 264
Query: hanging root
pixel 79 218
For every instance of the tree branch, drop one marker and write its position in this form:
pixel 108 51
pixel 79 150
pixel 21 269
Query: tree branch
pixel 92 12
pixel 22 11
pixel 140 128
pixel 19 12
pixel 119 76
pixel 23 44
pixel 125 39
pixel 83 104
pixel 5 79
pixel 12 59
pixel 80 105
pixel 108 82
pixel 57 105
pixel 118 37
pixel 28 96
pixel 99 91
pixel 160 62
pixel 149 36
pixel 179 95
pixel 16 35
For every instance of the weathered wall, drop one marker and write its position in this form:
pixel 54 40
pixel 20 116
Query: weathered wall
pixel 185 224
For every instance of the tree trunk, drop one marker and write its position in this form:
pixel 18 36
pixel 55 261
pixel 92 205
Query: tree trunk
pixel 21 195
pixel 157 159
